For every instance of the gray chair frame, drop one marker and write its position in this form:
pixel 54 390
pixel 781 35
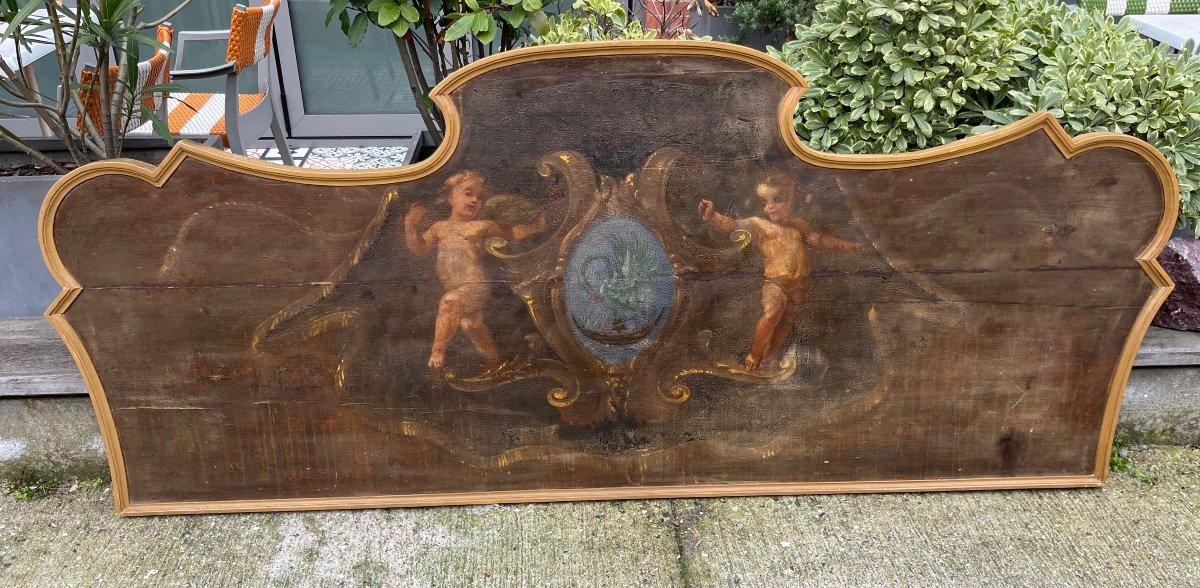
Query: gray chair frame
pixel 238 127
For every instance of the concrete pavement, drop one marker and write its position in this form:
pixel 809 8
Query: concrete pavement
pixel 1129 533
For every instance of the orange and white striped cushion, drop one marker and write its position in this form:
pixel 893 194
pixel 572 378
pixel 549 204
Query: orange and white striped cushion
pixel 250 34
pixel 153 71
pixel 196 114
pixel 160 72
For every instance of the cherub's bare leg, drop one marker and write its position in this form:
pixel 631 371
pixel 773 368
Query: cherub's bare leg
pixel 774 303
pixel 449 315
pixel 781 334
pixel 476 330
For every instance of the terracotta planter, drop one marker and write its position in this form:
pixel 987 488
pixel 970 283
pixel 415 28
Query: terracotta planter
pixel 668 17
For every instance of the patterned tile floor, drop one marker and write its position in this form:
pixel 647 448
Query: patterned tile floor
pixel 338 157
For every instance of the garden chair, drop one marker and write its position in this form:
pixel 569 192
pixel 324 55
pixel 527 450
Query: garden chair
pixel 209 117
pixel 238 123
pixel 153 71
pixel 1120 8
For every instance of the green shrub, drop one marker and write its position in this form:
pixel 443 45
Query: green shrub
pixel 592 20
pixel 1098 75
pixel 894 75
pixel 771 17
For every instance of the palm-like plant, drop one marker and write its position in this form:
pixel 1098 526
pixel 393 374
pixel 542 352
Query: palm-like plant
pixel 106 31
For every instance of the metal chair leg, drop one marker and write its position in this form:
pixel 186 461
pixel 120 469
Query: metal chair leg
pixel 277 131
pixel 232 112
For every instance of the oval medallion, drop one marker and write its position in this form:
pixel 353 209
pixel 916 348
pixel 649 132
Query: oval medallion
pixel 620 288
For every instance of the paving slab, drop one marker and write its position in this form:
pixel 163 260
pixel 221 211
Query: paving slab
pixel 1162 406
pixel 34 361
pixel 57 438
pixel 1168 347
pixel 1127 534
pixel 76 540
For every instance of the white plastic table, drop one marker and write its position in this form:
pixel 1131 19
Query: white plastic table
pixel 9 49
pixel 1171 29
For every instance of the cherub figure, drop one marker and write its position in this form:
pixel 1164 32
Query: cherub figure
pixel 781 238
pixel 459 241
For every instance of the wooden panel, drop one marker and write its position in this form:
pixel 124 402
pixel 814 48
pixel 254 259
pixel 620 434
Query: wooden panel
pixel 645 287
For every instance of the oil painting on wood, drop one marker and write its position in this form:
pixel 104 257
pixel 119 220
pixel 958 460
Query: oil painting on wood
pixel 621 276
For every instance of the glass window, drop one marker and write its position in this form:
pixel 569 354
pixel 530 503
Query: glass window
pixel 336 79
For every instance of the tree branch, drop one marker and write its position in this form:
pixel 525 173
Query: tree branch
pixel 164 19
pixel 436 57
pixel 406 59
pixel 19 88
pixel 14 104
pixel 426 88
pixel 66 67
pixel 105 103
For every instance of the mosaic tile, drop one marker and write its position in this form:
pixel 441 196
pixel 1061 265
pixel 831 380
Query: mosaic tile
pixel 338 157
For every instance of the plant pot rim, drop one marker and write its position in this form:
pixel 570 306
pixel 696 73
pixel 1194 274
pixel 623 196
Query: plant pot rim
pixel 32 177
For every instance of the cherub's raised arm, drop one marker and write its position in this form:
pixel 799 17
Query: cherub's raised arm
pixel 418 243
pixel 525 231
pixel 516 232
pixel 825 241
pixel 721 223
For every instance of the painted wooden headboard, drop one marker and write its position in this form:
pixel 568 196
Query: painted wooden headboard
pixel 622 275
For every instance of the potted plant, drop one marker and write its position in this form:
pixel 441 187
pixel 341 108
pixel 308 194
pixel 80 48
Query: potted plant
pixel 592 20
pixel 450 35
pixel 107 33
pixel 445 35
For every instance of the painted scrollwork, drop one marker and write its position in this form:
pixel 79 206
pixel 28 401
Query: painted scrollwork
pixel 628 368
